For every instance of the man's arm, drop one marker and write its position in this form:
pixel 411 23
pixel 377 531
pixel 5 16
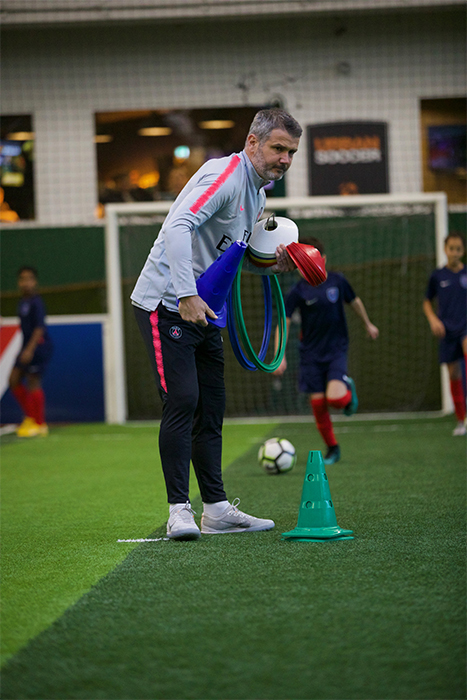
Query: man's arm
pixel 359 308
pixel 436 325
pixel 210 193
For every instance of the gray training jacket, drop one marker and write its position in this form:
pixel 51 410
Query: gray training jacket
pixel 220 204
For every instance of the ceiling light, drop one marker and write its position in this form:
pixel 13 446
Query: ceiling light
pixel 182 152
pixel 217 124
pixel 103 138
pixel 20 136
pixel 155 131
pixel 149 180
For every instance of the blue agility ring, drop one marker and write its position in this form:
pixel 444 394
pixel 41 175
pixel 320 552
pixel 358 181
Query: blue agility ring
pixel 250 360
pixel 232 302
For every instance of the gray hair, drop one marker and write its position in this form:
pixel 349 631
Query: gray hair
pixel 266 120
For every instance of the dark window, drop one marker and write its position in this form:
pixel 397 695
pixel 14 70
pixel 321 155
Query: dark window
pixel 16 168
pixel 150 155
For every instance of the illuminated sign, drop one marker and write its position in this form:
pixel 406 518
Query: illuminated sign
pixel 348 158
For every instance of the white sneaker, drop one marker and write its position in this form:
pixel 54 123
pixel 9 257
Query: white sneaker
pixel 233 520
pixel 181 524
pixel 460 429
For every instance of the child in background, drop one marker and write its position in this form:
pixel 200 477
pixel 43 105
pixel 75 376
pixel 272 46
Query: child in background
pixel 33 357
pixel 449 286
pixel 324 342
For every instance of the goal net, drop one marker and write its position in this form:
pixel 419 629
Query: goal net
pixel 385 245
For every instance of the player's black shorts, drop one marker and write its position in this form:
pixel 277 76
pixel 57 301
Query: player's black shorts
pixel 450 348
pixel 39 361
pixel 181 352
pixel 314 375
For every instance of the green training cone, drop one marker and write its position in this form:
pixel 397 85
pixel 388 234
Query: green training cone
pixel 316 517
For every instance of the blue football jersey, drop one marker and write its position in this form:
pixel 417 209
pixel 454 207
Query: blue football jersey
pixel 324 332
pixel 450 290
pixel 31 311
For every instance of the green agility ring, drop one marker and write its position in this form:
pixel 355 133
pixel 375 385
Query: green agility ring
pixel 238 332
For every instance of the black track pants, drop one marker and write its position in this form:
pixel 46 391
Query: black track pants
pixel 188 363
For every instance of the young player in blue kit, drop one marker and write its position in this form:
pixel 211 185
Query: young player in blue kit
pixel 33 357
pixel 219 205
pixel 448 285
pixel 324 342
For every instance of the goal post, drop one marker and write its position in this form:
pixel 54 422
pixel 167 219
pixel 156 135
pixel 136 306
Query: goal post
pixel 118 390
pixel 389 231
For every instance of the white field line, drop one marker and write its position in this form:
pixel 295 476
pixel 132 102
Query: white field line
pixel 8 429
pixel 389 428
pixel 337 418
pixel 142 539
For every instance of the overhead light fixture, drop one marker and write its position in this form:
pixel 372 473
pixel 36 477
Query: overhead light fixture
pixel 12 179
pixel 149 180
pixel 182 152
pixel 20 136
pixel 217 124
pixel 103 138
pixel 155 131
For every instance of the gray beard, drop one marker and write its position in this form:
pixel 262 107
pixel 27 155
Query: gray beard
pixel 273 176
pixel 265 174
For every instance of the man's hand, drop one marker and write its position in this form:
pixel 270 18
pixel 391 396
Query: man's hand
pixel 194 309
pixel 284 261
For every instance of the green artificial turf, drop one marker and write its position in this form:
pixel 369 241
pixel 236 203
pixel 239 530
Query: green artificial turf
pixel 251 616
pixel 66 500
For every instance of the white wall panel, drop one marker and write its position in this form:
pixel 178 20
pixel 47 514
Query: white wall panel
pixel 63 76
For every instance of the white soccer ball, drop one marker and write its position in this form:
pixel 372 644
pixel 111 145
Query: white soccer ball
pixel 277 456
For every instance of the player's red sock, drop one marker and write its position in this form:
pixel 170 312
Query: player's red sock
pixel 342 402
pixel 457 392
pixel 21 394
pixel 323 420
pixel 37 399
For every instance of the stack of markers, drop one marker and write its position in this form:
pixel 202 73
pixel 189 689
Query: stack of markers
pixel 309 261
